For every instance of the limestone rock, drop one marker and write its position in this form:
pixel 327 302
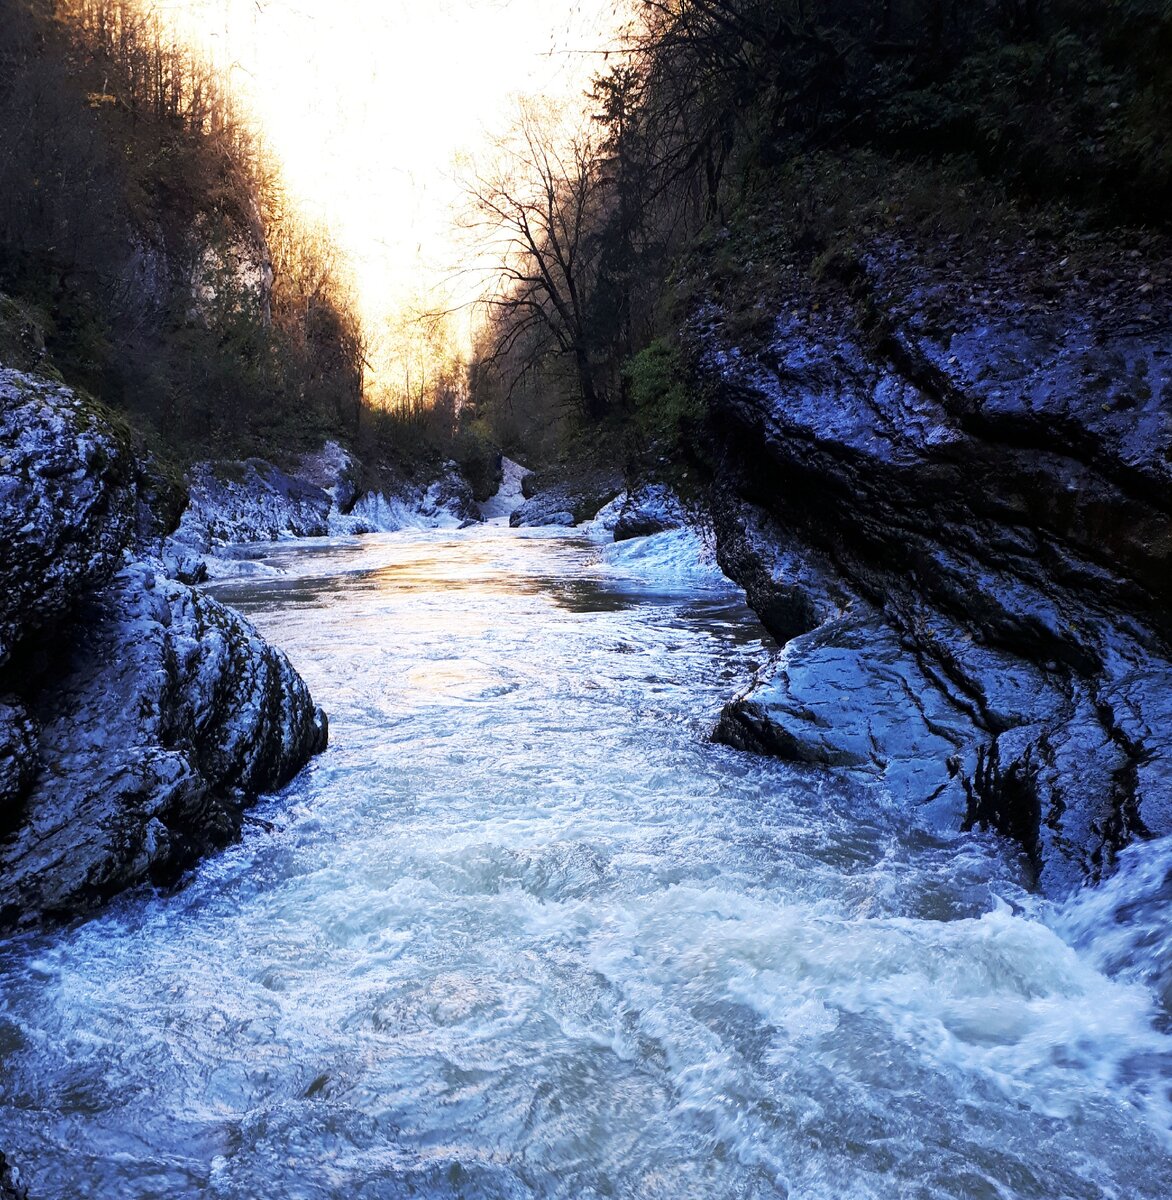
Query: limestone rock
pixel 565 497
pixel 848 694
pixel 335 470
pixel 451 496
pixel 169 713
pixel 137 717
pixel 960 529
pixel 67 503
pixel 651 508
pixel 19 758
pixel 250 501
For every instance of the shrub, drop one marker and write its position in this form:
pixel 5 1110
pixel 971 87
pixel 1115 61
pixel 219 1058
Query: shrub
pixel 662 402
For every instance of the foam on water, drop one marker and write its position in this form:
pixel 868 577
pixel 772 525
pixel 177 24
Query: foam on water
pixel 676 556
pixel 523 931
pixel 509 495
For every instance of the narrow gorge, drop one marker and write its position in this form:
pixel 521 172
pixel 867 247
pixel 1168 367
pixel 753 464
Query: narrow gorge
pixel 690 718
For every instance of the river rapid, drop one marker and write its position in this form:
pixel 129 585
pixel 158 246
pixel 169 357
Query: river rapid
pixel 523 931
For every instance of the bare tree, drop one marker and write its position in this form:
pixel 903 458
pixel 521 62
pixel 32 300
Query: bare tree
pixel 537 214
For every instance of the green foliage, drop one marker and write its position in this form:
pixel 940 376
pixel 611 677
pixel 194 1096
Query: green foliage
pixel 1061 99
pixel 755 152
pixel 664 406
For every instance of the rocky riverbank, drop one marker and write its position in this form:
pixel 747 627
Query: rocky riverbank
pixel 945 487
pixel 138 717
pixel 251 501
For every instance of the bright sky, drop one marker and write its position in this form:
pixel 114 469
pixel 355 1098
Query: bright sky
pixel 367 104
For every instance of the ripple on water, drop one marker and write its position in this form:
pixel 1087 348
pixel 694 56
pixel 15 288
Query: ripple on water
pixel 522 931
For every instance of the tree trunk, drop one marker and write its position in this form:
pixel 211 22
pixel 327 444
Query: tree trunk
pixel 592 403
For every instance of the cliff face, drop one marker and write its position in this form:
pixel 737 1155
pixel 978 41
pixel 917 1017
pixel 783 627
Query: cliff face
pixel 67 503
pixel 137 716
pixel 946 489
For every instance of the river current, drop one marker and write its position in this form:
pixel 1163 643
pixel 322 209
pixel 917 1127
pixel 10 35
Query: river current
pixel 524 931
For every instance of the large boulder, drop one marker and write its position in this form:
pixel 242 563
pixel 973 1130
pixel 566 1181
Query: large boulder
pixel 649 508
pixel 565 496
pixel 137 717
pixel 950 500
pixel 67 502
pixel 250 501
pixel 168 714
pixel 546 508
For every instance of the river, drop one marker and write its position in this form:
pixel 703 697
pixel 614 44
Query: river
pixel 523 931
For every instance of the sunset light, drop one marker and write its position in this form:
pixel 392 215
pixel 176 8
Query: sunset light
pixel 587 599
pixel 369 106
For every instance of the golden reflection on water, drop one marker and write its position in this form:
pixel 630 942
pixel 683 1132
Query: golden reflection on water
pixel 429 569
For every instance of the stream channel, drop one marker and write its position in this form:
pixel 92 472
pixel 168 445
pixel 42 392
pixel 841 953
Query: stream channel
pixel 524 931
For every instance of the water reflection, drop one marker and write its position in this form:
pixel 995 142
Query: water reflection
pixel 312 573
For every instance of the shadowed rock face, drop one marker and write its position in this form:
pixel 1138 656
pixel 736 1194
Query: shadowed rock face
pixel 170 713
pixel 11 1187
pixel 19 761
pixel 565 497
pixel 66 503
pixel 961 532
pixel 137 716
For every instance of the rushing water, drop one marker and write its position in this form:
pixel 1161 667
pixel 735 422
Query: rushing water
pixel 523 931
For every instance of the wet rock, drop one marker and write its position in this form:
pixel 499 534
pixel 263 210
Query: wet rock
pixel 565 498
pixel 510 493
pixel 161 498
pixel 250 501
pixel 183 565
pixel 848 694
pixel 650 508
pixel 542 510
pixel 961 531
pixel 137 717
pixel 168 714
pixel 67 502
pixel 790 586
pixel 451 495
pixel 19 759
pixel 607 517
pixel 11 1185
pixel 335 470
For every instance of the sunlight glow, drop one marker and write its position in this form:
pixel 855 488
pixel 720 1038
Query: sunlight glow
pixel 368 105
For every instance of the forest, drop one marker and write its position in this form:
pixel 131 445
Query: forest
pixel 807 125
pixel 148 250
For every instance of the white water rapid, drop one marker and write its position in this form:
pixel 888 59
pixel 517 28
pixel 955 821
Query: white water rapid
pixel 523 931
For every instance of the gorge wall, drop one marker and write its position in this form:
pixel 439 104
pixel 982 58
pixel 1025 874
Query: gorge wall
pixel 945 486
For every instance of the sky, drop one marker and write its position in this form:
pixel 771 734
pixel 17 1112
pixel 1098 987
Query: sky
pixel 368 105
